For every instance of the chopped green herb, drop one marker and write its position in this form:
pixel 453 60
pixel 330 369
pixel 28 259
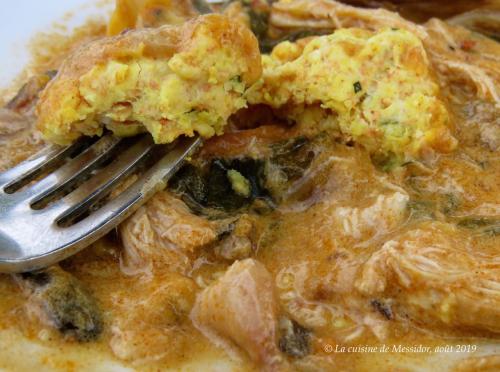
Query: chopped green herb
pixel 389 122
pixel 236 79
pixel 386 162
pixel 450 203
pixel 484 225
pixel 421 209
pixel 492 231
pixel 357 87
pixel 475 222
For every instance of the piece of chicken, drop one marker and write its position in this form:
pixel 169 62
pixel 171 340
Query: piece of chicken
pixel 460 55
pixel 434 277
pixel 160 233
pixel 18 139
pixel 422 10
pixel 241 307
pixel 330 14
pixel 170 81
pixel 387 212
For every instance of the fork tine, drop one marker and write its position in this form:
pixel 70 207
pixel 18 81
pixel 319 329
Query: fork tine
pixel 16 177
pixel 99 186
pixel 114 212
pixel 25 249
pixel 73 171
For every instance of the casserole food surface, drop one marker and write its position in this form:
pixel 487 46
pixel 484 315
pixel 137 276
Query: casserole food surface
pixel 346 199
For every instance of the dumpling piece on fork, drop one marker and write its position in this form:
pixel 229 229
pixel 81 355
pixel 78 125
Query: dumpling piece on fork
pixel 170 81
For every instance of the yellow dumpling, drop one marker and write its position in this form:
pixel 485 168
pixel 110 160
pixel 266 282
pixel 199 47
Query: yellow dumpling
pixel 169 81
pixel 377 87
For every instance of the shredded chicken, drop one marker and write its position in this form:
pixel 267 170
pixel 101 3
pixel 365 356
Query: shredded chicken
pixel 291 283
pixel 326 14
pixel 423 9
pixel 160 233
pixel 238 245
pixel 18 140
pixel 18 137
pixel 459 57
pixel 480 363
pixel 386 213
pixel 434 277
pixel 241 307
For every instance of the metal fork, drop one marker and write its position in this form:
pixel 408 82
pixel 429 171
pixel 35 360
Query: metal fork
pixel 45 218
pixel 35 233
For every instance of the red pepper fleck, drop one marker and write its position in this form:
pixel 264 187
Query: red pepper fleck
pixel 467 45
